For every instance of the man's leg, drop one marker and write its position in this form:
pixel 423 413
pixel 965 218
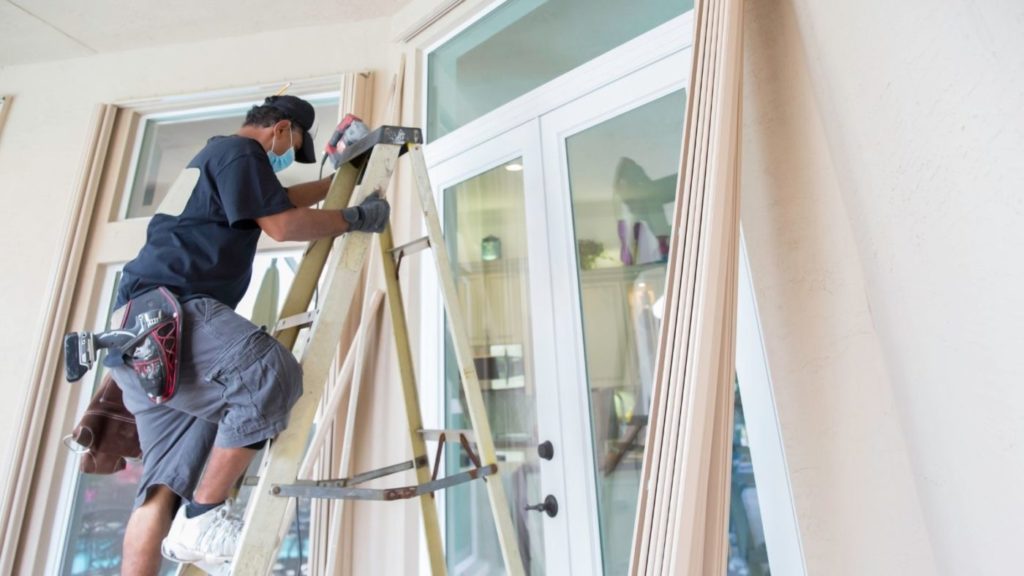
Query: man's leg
pixel 225 467
pixel 147 527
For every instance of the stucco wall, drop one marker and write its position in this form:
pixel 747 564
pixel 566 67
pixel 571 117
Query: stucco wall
pixel 855 497
pixel 921 107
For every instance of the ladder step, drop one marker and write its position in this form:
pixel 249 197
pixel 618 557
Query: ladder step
pixel 394 135
pixel 385 494
pixel 450 434
pixel 303 320
pixel 409 248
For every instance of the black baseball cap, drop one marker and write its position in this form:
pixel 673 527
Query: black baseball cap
pixel 299 112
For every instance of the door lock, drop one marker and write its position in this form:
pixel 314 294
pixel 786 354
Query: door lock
pixel 549 506
pixel 546 450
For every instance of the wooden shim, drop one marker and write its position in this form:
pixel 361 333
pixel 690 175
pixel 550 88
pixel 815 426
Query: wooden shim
pixel 694 438
pixel 683 505
pixel 674 378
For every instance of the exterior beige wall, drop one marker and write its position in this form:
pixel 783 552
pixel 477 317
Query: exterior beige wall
pixel 921 107
pixel 854 491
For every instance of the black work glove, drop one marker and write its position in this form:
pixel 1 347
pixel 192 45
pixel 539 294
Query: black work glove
pixel 370 216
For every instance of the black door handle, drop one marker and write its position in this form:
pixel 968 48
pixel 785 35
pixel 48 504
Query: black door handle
pixel 549 506
pixel 546 450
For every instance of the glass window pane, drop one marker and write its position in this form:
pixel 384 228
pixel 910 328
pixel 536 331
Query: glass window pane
pixel 622 178
pixel 102 504
pixel 748 554
pixel 169 142
pixel 523 44
pixel 485 232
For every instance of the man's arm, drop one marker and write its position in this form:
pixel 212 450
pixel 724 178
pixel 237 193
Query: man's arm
pixel 303 224
pixel 309 193
pixel 311 224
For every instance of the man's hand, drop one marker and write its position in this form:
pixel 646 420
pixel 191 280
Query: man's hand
pixel 370 216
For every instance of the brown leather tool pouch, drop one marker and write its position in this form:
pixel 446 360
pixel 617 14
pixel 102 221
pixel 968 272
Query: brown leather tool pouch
pixel 106 437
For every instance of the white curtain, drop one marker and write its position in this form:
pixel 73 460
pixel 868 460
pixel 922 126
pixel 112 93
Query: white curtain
pixel 682 516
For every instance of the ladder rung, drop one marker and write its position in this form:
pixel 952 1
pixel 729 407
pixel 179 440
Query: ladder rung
pixel 301 320
pixel 450 435
pixel 409 248
pixel 387 494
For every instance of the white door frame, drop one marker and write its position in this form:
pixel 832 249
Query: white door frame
pixel 521 142
pixel 664 51
pixel 652 65
pixel 643 86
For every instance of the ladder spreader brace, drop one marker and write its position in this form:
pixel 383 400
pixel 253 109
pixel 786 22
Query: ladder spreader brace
pixel 367 167
pixel 341 489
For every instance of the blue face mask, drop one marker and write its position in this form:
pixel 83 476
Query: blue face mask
pixel 281 161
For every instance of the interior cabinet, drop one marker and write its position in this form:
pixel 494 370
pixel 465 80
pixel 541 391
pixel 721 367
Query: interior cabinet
pixel 493 300
pixel 609 341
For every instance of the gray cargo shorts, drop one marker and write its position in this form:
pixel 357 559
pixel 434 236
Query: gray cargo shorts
pixel 236 387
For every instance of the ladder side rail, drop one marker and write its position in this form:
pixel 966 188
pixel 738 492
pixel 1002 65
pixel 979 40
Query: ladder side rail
pixel 470 383
pixel 410 393
pixel 267 514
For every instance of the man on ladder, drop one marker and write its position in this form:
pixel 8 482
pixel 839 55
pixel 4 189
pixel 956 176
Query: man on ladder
pixel 235 384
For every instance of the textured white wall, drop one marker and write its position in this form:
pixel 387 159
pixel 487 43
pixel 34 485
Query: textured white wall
pixel 921 104
pixel 853 486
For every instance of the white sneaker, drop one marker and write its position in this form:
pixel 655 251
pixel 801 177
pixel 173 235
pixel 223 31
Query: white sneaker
pixel 220 569
pixel 210 537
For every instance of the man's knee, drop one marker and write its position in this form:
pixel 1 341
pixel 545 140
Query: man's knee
pixel 161 498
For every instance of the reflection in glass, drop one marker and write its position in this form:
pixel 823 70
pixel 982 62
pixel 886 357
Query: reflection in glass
pixel 748 554
pixel 523 44
pixel 102 504
pixel 622 177
pixel 169 142
pixel 485 233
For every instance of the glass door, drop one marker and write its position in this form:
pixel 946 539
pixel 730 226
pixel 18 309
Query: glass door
pixel 491 204
pixel 611 163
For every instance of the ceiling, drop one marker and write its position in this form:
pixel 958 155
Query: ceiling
pixel 42 30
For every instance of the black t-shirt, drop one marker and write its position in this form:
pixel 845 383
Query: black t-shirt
pixel 208 249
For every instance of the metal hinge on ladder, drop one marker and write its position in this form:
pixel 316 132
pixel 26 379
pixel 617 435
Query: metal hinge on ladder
pixel 369 165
